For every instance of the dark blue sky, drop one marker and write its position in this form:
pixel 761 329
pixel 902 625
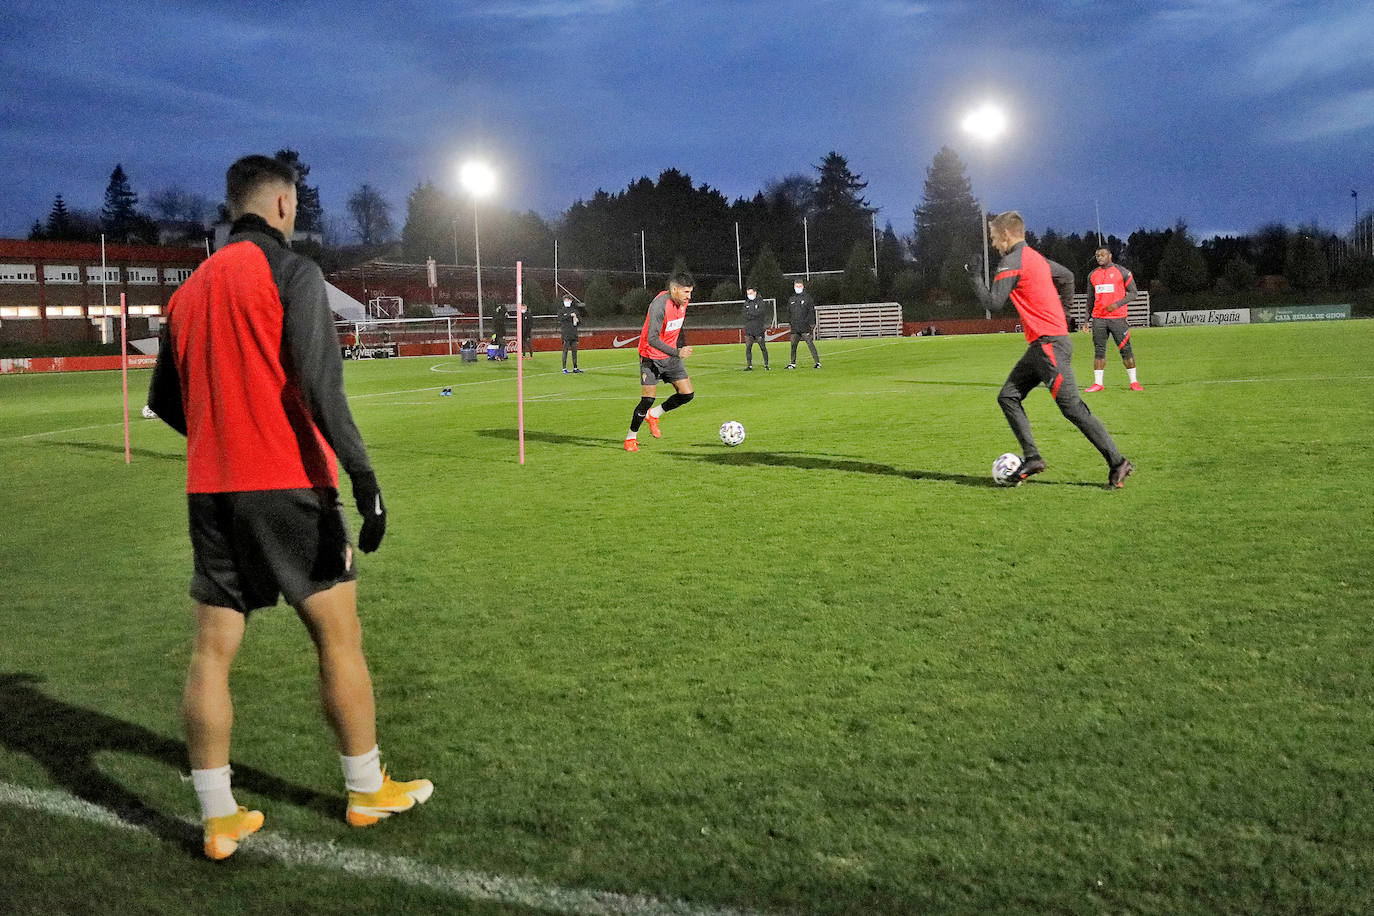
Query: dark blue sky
pixel 1226 114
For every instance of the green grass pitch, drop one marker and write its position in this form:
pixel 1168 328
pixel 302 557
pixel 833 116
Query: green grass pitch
pixel 833 670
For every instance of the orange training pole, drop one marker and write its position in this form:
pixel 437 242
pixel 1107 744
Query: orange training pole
pixel 519 364
pixel 124 368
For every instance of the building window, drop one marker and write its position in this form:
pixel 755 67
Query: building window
pixel 18 273
pixel 175 276
pixel 22 311
pixel 64 311
pixel 142 276
pixel 61 273
pixel 96 275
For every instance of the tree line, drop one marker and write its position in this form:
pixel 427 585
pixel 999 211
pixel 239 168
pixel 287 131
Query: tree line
pixel 799 223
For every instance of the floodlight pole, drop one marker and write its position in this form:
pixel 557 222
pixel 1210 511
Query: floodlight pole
pixel 874 217
pixel 477 240
pixel 643 264
pixel 806 248
pixel 987 274
pixel 739 264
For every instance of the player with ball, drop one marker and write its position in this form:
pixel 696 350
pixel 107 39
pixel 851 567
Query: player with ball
pixel 660 357
pixel 1042 291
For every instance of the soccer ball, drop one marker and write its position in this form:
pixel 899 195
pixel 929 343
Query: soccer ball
pixel 732 432
pixel 1004 468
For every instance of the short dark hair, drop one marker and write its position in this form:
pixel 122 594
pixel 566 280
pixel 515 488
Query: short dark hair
pixel 681 278
pixel 250 173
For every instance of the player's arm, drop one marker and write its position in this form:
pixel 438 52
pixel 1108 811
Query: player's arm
pixel 311 347
pixel 658 312
pixel 1064 283
pixel 164 391
pixel 1003 282
pixel 1131 289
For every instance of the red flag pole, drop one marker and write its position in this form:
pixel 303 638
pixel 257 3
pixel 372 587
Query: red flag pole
pixel 520 363
pixel 124 368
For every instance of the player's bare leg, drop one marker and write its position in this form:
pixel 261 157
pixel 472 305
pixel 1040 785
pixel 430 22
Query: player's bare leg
pixel 206 705
pixel 331 616
pixel 208 711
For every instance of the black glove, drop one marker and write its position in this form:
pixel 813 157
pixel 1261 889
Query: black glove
pixel 368 497
pixel 974 267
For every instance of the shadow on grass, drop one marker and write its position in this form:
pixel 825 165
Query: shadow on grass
pixel 65 740
pixel 551 438
pixel 811 462
pixel 103 448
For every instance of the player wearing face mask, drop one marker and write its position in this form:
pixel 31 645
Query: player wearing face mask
pixel 755 325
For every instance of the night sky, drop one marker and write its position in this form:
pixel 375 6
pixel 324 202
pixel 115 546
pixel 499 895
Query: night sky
pixel 1226 114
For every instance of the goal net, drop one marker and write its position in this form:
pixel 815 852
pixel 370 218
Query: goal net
pixel 384 337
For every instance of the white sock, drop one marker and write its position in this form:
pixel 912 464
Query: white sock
pixel 212 788
pixel 1098 375
pixel 364 772
pixel 632 434
pixel 1131 374
pixel 656 411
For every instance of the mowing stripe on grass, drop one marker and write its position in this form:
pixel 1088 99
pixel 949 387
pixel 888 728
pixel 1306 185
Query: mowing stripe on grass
pixel 476 886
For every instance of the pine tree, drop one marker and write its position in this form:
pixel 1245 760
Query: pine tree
pixel 119 216
pixel 429 230
pixel 1305 265
pixel 59 221
pixel 766 276
pixel 858 283
pixel 1182 268
pixel 309 213
pixel 842 216
pixel 947 230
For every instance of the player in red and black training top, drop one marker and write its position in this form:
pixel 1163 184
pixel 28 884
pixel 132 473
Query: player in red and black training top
pixel 660 357
pixel 249 371
pixel 1112 287
pixel 1042 292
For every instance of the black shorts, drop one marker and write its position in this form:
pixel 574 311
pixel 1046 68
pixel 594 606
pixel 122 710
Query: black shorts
pixel 652 371
pixel 249 548
pixel 569 343
pixel 1119 330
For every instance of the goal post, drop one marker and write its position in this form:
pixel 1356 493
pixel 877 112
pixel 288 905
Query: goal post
pixel 383 337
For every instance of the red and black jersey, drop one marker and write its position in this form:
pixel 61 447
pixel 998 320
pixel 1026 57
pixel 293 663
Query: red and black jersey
pixel 249 369
pixel 1113 288
pixel 1041 290
pixel 662 327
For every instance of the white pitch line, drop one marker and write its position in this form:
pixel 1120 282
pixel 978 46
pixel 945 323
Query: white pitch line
pixel 470 885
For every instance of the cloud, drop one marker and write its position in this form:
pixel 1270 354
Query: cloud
pixel 1344 114
pixel 1336 42
pixel 554 9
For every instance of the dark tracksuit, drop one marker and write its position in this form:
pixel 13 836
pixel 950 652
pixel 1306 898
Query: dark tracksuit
pixel 801 313
pixel 498 328
pixel 526 332
pixel 568 320
pixel 1042 292
pixel 755 321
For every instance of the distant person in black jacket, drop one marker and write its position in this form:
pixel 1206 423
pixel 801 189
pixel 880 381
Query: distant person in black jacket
pixel 498 330
pixel 801 312
pixel 569 321
pixel 526 331
pixel 755 328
